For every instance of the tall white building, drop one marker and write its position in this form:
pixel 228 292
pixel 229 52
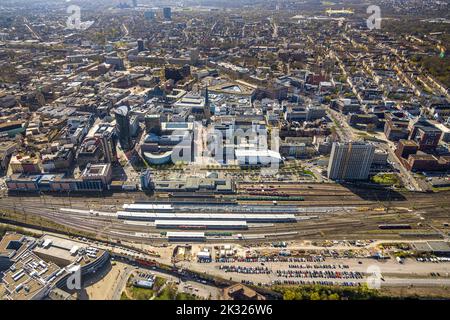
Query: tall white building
pixel 350 161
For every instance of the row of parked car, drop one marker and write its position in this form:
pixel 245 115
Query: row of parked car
pixel 314 282
pixel 435 259
pixel 272 259
pixel 251 270
pixel 318 266
pixel 319 274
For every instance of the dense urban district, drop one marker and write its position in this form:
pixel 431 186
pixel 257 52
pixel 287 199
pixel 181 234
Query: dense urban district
pixel 224 150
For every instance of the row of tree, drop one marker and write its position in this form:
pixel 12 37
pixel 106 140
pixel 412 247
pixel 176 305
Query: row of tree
pixel 320 292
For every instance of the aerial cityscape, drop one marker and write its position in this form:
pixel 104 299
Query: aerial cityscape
pixel 224 150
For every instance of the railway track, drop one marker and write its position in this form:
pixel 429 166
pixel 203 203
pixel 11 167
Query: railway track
pixel 104 226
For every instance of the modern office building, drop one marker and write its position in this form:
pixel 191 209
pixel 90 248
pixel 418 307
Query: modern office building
pixel 350 161
pixel 207 108
pixel 38 266
pixel 95 177
pixel 167 13
pixel 90 151
pixel 123 127
pixel 141 46
pixel 100 173
pixel 10 245
pixel 105 134
pixel 149 15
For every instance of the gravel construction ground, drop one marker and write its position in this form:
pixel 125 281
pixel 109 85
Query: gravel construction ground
pixel 409 273
pixel 104 288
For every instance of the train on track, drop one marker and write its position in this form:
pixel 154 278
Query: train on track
pixel 394 226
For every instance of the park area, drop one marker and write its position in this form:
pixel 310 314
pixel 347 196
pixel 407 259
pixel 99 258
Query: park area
pixel 388 179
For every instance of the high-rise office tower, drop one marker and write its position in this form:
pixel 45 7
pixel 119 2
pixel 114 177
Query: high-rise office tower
pixel 105 134
pixel 149 15
pixel 134 3
pixel 194 55
pixel 140 44
pixel 123 127
pixel 350 160
pixel 207 110
pixel 167 13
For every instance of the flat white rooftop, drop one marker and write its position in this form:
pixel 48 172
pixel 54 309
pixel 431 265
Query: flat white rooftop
pixel 257 153
pixel 204 216
pixel 200 223
pixel 185 234
pixel 147 206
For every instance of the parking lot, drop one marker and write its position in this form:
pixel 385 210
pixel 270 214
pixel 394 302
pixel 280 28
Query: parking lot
pixel 316 269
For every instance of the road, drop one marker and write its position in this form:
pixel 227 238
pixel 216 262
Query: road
pixel 396 282
pixel 203 290
pixel 411 272
pixel 406 176
pixel 275 28
pixel 126 30
pixel 345 134
pixel 31 30
pixel 121 283
pixel 348 133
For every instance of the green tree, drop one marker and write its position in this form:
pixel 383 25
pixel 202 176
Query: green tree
pixel 333 296
pixel 299 295
pixel 289 295
pixel 315 296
